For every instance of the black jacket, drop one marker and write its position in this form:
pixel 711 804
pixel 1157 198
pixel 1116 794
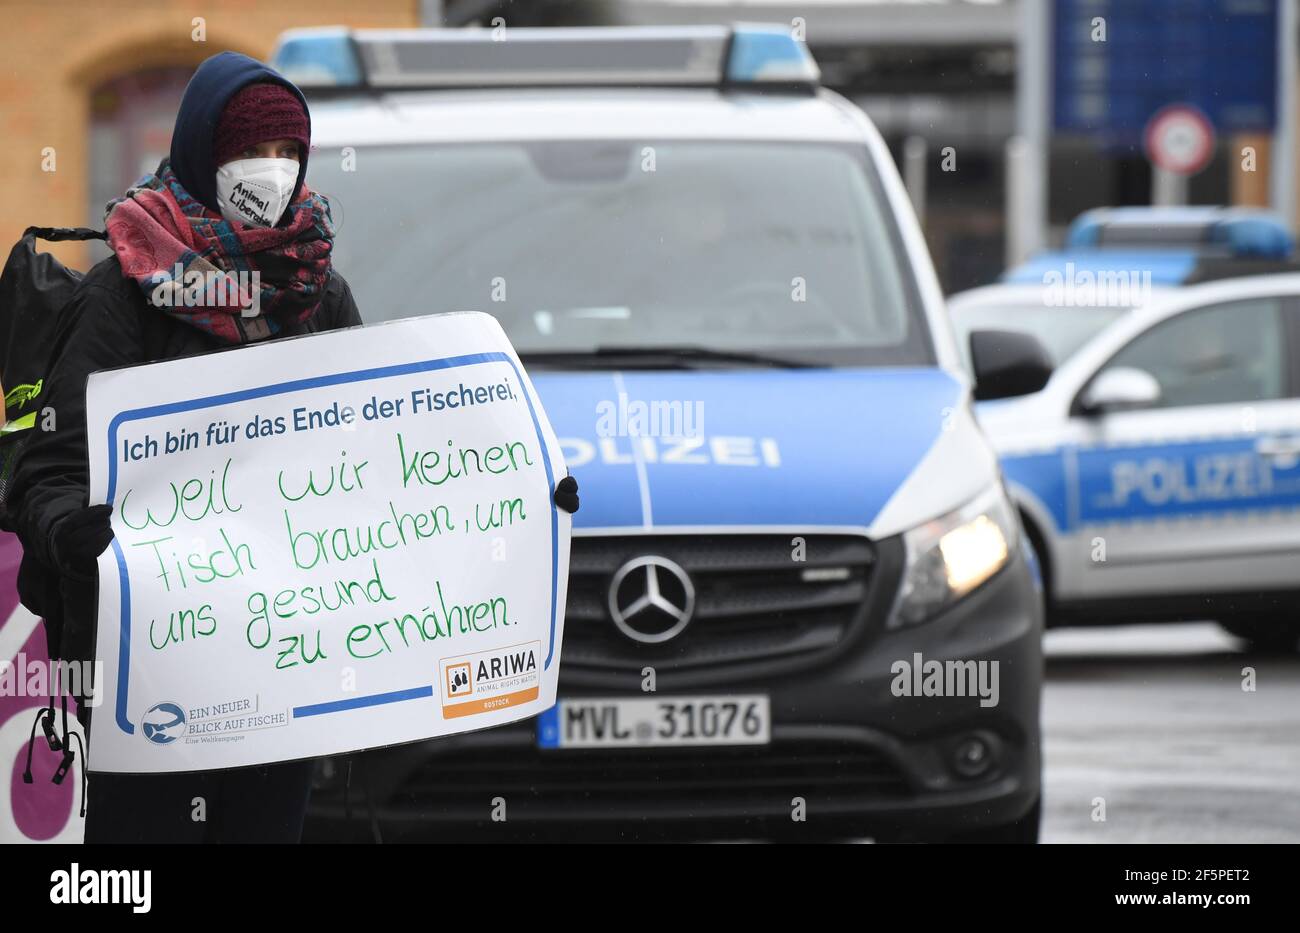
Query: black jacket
pixel 115 326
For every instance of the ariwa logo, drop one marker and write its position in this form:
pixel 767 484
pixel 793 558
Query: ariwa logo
pixel 487 681
pixel 103 886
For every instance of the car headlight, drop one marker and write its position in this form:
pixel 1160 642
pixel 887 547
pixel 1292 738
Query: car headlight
pixel 951 556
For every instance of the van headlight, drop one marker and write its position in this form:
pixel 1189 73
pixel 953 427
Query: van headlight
pixel 952 555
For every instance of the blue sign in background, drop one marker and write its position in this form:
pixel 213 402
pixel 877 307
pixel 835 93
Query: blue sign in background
pixel 1218 55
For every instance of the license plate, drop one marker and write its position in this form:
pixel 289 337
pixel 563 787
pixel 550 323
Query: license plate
pixel 645 722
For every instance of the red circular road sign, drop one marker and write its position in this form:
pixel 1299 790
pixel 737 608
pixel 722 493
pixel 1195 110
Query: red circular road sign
pixel 1180 139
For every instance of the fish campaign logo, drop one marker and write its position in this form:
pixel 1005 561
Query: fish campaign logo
pixel 163 724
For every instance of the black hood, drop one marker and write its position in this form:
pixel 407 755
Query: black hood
pixel 216 81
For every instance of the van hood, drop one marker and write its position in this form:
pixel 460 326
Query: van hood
pixel 773 449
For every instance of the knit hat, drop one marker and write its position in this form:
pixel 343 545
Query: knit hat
pixel 255 114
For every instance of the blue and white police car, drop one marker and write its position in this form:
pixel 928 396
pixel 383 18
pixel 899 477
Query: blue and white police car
pixel 1116 259
pixel 799 597
pixel 1158 472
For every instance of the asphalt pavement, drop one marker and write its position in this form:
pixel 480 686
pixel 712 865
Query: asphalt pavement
pixel 1149 736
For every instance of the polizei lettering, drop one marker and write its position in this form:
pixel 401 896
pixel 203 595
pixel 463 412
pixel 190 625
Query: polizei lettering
pixel 1210 478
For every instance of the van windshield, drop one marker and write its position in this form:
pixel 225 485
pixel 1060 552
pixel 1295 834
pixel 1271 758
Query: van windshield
pixel 595 251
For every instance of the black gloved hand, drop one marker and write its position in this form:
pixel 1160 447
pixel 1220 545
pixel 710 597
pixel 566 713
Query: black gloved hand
pixel 566 494
pixel 80 538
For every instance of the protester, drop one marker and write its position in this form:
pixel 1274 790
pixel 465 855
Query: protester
pixel 230 198
pixel 229 203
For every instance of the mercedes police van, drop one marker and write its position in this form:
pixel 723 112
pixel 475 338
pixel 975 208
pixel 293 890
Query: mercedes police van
pixel 800 601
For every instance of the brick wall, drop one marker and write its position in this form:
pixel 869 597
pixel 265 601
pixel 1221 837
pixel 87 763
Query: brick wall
pixel 54 52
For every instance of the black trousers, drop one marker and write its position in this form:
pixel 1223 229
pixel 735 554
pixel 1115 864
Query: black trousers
pixel 243 805
pixel 265 804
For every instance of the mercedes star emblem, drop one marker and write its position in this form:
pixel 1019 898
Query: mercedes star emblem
pixel 651 599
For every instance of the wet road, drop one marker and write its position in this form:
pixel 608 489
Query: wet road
pixel 1153 721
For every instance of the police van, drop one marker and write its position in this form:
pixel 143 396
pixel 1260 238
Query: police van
pixel 800 600
pixel 1158 472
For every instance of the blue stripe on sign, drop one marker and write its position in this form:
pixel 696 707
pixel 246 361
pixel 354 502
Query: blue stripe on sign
pixel 375 699
pixel 124 640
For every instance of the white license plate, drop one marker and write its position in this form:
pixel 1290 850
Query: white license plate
pixel 644 722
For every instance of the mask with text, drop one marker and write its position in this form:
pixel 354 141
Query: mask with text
pixel 256 191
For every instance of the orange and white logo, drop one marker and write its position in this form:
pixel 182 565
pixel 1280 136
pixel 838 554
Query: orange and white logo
pixel 491 680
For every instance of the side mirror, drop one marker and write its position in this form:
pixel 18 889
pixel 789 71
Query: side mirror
pixel 1007 363
pixel 1120 388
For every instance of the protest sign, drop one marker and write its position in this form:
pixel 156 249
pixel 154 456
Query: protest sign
pixel 322 545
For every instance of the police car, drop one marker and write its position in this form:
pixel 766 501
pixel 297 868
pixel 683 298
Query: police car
pixel 799 598
pixel 1158 471
pixel 1116 259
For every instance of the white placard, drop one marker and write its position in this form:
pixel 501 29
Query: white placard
pixel 322 545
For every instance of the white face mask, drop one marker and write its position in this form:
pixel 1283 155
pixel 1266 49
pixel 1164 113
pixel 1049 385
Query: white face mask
pixel 256 191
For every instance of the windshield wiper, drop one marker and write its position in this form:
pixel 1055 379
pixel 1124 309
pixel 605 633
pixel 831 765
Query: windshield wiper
pixel 654 357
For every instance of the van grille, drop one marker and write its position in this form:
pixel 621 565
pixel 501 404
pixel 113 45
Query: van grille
pixel 754 599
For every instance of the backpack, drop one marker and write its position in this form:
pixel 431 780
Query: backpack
pixel 34 289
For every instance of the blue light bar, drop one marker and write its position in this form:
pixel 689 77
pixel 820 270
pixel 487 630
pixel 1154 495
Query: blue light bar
pixel 316 58
pixel 1165 266
pixel 770 55
pixel 1243 233
pixel 1260 237
pixel 693 56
